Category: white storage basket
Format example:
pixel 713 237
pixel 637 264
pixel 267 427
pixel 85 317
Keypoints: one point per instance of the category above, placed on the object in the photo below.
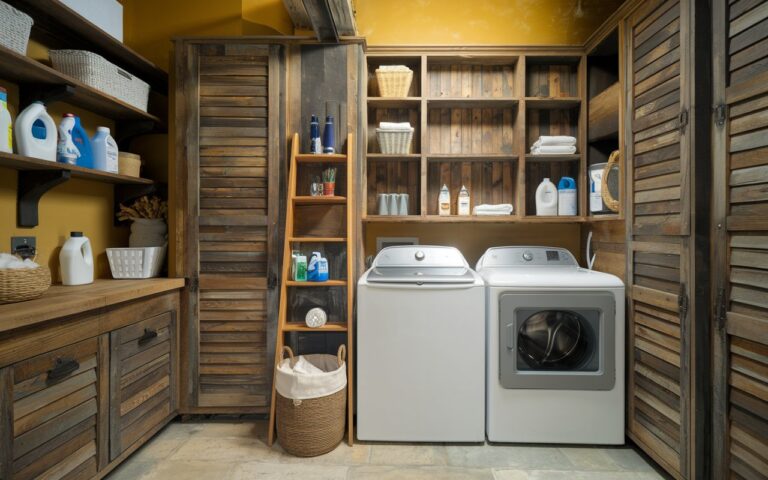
pixel 15 27
pixel 94 70
pixel 396 142
pixel 144 262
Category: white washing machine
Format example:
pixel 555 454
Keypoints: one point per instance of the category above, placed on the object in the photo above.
pixel 421 348
pixel 555 348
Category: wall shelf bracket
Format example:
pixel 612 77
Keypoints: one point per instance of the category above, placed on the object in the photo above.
pixel 33 184
pixel 48 94
pixel 128 130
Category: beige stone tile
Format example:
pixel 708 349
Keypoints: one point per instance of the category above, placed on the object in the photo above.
pixel 132 469
pixel 161 447
pixel 575 475
pixel 585 458
pixel 510 475
pixel 269 471
pixel 521 457
pixel 377 472
pixel 358 454
pixel 400 454
pixel 628 459
pixel 185 470
pixel 226 449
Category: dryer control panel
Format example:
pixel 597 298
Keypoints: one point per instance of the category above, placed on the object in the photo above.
pixel 526 256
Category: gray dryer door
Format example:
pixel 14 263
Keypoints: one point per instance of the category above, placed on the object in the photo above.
pixel 557 341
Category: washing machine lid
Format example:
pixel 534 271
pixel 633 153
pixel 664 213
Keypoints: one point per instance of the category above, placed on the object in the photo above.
pixel 419 265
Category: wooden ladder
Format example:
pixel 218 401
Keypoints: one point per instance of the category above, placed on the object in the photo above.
pixel 284 325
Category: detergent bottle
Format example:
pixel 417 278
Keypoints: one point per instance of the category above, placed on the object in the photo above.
pixel 566 196
pixel 83 143
pixel 67 151
pixel 76 260
pixel 36 133
pixel 546 198
pixel 6 124
pixel 104 151
pixel 317 271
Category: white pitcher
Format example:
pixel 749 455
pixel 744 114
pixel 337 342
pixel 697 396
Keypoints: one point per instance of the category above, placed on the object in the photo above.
pixel 76 260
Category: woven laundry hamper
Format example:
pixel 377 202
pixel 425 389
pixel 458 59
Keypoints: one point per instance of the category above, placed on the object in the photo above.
pixel 314 424
pixel 395 142
pixel 394 83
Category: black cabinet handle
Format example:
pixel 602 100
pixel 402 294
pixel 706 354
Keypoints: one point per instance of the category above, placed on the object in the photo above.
pixel 62 370
pixel 148 336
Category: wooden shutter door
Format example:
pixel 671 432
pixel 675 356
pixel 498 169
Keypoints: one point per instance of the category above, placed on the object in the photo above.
pixel 231 104
pixel 740 227
pixel 660 221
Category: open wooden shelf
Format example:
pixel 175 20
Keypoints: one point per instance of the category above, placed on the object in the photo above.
pixel 61 27
pixel 529 157
pixel 22 163
pixel 394 102
pixel 467 157
pixel 23 70
pixel 604 114
pixel 389 156
pixel 320 200
pixel 474 102
pixel 469 219
pixel 327 283
pixel 546 103
pixel 608 217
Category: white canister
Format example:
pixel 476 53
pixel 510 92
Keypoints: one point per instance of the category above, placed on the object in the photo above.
pixel 595 188
pixel 567 201
pixel 383 200
pixel 402 204
pixel 76 260
pixel 148 232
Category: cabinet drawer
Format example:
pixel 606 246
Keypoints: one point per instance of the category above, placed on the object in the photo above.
pixel 54 413
pixel 142 379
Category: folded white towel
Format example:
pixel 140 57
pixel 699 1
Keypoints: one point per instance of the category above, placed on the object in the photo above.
pixel 487 209
pixel 395 126
pixel 553 150
pixel 394 68
pixel 555 140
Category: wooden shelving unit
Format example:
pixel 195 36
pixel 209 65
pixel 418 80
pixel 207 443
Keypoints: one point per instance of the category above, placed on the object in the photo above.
pixel 332 236
pixel 23 164
pixel 475 116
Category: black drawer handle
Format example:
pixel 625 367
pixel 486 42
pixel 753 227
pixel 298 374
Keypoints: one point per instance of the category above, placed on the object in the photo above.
pixel 148 336
pixel 62 370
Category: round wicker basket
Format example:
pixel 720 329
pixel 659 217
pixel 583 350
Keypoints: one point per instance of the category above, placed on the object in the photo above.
pixel 18 285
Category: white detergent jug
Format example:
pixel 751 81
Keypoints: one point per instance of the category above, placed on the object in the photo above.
pixel 546 198
pixel 76 260
pixel 36 133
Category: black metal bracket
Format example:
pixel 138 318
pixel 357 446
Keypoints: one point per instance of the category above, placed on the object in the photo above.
pixel 29 93
pixel 126 193
pixel 32 186
pixel 128 130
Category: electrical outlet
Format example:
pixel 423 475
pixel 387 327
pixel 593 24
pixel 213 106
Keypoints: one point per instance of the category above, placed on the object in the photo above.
pixel 17 242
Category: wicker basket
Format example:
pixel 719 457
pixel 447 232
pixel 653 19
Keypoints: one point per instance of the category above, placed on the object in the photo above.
pixel 14 28
pixel 307 428
pixel 20 284
pixel 396 142
pixel 94 70
pixel 142 262
pixel 129 164
pixel 394 84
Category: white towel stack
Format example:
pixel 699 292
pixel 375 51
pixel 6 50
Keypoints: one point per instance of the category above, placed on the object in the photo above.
pixel 395 126
pixel 554 145
pixel 499 209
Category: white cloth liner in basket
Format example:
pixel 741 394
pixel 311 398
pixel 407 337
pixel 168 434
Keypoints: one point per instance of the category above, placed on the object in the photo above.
pixel 311 376
pixel 15 27
pixel 139 262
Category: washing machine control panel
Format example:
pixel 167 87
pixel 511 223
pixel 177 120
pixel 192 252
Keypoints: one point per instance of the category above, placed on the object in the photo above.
pixel 527 256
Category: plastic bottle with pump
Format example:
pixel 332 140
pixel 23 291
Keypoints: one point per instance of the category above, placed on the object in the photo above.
pixel 463 207
pixel 76 260
pixel 35 133
pixel 67 151
pixel 444 201
pixel 546 198
pixel 6 124
pixel 104 151
pixel 566 197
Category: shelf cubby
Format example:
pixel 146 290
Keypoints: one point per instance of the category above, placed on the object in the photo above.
pixel 377 114
pixel 477 78
pixel 563 121
pixel 552 77
pixel 488 181
pixel 460 130
pixel 412 62
pixel 394 176
pixel 536 171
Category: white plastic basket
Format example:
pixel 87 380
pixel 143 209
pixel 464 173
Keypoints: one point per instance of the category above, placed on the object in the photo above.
pixel 397 142
pixel 15 27
pixel 94 70
pixel 144 262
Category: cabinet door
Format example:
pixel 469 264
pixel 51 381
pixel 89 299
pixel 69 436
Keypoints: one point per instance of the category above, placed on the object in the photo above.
pixel 142 381
pixel 50 403
pixel 229 145
pixel 740 226
pixel 667 209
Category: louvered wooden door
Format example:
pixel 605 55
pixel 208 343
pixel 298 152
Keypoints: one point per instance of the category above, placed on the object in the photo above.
pixel 740 227
pixel 660 225
pixel 230 104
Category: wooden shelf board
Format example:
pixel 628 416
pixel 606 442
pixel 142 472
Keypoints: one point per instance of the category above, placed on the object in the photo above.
pixel 608 217
pixel 466 157
pixel 20 162
pixel 62 27
pixel 498 102
pixel 328 327
pixel 469 219
pixel 22 70
pixel 394 102
pixel 317 239
pixel 553 158
pixel 405 157
pixel 328 283
pixel 553 219
pixel 392 218
pixel 320 200
pixel 552 103
pixel 321 158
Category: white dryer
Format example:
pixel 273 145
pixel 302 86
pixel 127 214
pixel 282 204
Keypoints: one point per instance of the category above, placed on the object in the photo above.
pixel 555 366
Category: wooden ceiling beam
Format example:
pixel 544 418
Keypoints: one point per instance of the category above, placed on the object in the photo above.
pixel 330 19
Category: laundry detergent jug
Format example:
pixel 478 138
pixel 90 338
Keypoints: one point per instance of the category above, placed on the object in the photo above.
pixel 36 133
pixel 76 260
pixel 546 198
pixel 317 271
pixel 67 151
pixel 83 143
pixel 104 151
pixel 566 196
pixel 6 124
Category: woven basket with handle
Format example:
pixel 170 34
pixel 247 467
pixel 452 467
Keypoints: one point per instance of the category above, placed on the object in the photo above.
pixel 307 428
pixel 394 84
pixel 20 284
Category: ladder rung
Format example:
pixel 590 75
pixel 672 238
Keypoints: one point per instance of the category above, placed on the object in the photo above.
pixel 317 239
pixel 321 158
pixel 328 283
pixel 323 200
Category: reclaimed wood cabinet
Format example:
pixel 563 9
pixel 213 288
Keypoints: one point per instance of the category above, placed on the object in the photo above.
pixel 82 391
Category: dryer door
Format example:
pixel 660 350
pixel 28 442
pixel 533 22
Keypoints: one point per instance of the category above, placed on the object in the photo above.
pixel 557 341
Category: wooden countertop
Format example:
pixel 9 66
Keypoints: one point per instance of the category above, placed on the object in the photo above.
pixel 60 301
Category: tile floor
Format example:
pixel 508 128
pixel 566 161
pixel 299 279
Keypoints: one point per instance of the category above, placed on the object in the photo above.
pixel 238 451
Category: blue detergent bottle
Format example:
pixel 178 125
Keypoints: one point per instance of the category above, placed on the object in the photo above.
pixel 83 143
pixel 567 201
pixel 317 271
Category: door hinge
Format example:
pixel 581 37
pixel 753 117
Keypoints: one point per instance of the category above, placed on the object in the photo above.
pixel 682 302
pixel 683 120
pixel 720 312
pixel 272 281
pixel 720 115
pixel 194 284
